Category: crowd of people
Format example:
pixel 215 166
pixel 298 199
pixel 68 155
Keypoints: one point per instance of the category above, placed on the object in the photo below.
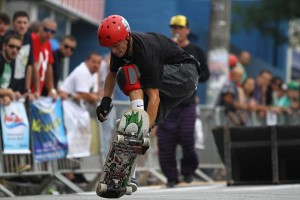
pixel 265 93
pixel 31 68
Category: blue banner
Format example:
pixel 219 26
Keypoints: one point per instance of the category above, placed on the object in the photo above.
pixel 48 134
pixel 15 128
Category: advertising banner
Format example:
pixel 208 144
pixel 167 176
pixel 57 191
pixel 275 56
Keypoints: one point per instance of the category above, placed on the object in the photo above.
pixel 49 138
pixel 15 128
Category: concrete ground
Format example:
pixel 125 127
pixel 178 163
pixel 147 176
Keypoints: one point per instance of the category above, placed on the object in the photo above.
pixel 218 191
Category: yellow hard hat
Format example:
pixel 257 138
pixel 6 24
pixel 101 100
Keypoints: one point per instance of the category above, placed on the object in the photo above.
pixel 179 20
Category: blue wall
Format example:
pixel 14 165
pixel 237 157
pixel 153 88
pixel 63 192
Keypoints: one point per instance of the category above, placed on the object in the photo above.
pixel 86 35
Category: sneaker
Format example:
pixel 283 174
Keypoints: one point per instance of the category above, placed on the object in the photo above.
pixel 188 178
pixel 171 184
pixel 133 184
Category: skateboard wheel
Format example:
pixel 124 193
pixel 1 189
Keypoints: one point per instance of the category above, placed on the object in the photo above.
pixel 120 139
pixel 146 142
pixel 128 190
pixel 102 187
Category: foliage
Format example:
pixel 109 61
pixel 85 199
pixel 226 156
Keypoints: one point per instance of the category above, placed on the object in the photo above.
pixel 265 16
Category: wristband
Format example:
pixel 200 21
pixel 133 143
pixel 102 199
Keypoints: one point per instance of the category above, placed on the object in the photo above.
pixel 53 91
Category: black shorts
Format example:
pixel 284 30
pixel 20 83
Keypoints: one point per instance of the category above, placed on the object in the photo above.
pixel 179 82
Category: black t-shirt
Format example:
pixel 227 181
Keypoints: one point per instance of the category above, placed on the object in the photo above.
pixel 199 55
pixel 151 51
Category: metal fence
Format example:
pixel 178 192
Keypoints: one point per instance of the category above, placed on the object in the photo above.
pixel 41 176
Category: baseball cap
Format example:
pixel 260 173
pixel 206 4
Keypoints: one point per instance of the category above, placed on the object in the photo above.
pixel 179 20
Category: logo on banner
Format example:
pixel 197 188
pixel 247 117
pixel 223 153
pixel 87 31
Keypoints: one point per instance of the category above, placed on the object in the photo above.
pixel 14 122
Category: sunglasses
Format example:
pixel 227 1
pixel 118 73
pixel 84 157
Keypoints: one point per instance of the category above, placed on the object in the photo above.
pixel 14 46
pixel 69 47
pixel 49 30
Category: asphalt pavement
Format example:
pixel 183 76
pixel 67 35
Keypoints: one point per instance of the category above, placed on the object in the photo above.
pixel 192 192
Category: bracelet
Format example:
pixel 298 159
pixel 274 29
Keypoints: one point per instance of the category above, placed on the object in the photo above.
pixel 53 91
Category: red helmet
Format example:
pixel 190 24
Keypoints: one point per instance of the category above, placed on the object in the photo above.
pixel 232 60
pixel 113 29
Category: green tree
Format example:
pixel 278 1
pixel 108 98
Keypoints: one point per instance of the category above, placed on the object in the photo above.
pixel 266 16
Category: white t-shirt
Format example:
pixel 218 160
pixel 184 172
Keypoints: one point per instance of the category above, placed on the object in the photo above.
pixel 80 80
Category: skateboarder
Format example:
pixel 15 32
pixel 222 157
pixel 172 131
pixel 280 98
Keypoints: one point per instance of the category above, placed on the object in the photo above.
pixel 150 68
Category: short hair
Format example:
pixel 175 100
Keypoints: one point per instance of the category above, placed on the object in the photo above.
pixel 12 36
pixel 20 13
pixel 92 53
pixel 70 37
pixel 265 71
pixel 275 79
pixel 5 18
pixel 34 27
pixel 48 20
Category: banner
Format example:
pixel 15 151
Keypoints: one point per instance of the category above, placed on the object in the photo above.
pixel 15 128
pixel 48 134
pixel 78 127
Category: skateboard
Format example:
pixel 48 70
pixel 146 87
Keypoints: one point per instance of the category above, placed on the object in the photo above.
pixel 130 140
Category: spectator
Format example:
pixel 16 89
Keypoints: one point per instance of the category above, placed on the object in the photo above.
pixel 66 48
pixel 244 60
pixel 246 92
pixel 34 27
pixel 43 57
pixel 230 99
pixel 179 126
pixel 79 84
pixel 260 92
pixel 272 90
pixel 290 102
pixel 11 46
pixel 4 25
pixel 79 87
pixel 227 100
pixel 24 61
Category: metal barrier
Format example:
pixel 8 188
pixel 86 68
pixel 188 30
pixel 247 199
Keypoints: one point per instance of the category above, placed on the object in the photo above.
pixel 210 117
pixel 54 172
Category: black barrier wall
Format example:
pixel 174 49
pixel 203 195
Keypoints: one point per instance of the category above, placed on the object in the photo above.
pixel 260 155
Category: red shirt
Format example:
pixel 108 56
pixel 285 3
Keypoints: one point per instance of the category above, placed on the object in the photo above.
pixel 43 56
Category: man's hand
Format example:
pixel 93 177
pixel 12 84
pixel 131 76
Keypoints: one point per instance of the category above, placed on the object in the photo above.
pixel 104 109
pixel 5 100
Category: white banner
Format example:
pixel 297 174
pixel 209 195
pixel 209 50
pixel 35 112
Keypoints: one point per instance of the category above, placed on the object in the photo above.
pixel 78 128
pixel 15 128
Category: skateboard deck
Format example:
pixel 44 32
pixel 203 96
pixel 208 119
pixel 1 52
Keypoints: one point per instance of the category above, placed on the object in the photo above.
pixel 130 140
